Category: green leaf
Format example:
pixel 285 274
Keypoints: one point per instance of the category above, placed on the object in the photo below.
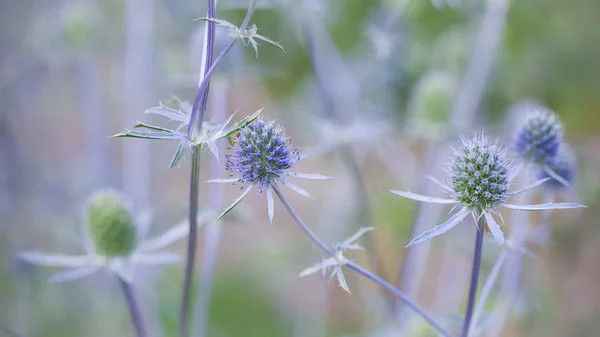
pixel 152 127
pixel 183 145
pixel 241 124
pixel 150 135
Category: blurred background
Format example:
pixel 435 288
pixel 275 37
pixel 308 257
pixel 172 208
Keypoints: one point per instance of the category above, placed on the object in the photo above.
pixel 375 91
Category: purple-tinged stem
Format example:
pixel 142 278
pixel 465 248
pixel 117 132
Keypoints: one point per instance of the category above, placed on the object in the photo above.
pixel 474 276
pixel 134 310
pixel 356 267
pixel 200 101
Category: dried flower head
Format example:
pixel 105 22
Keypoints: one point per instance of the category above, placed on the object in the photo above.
pixel 261 155
pixel 480 176
pixel 539 136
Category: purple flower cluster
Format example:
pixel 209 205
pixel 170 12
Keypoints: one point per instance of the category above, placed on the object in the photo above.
pixel 261 154
pixel 539 137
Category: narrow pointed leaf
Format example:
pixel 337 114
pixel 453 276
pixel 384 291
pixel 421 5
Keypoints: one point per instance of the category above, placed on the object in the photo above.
pixel 179 153
pixel 340 278
pixel 535 184
pixel 224 180
pixel 172 235
pixel 423 198
pixel 270 203
pixel 235 203
pixel 152 127
pixel 357 235
pixel 155 135
pixel 308 176
pixel 54 260
pixel 494 228
pixel 241 124
pixel 440 229
pixel 542 207
pixel 556 176
pixel 170 113
pixel 440 184
pixel 297 189
pixel 269 41
pixel 74 274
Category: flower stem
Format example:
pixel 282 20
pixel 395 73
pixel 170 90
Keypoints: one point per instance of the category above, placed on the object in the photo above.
pixel 134 310
pixel 474 276
pixel 487 287
pixel 357 267
pixel 191 247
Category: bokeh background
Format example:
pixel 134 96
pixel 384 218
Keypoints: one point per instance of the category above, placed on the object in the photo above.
pixel 397 81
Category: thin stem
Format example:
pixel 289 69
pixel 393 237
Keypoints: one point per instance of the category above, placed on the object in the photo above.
pixel 212 234
pixel 487 288
pixel 474 276
pixel 191 247
pixel 202 93
pixel 200 101
pixel 355 266
pixel 134 310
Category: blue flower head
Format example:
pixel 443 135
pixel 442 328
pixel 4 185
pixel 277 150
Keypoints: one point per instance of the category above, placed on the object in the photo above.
pixel 539 136
pixel 479 173
pixel 261 154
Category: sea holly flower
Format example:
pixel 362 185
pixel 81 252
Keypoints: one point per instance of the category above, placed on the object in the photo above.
pixel 113 241
pixel 338 260
pixel 248 35
pixel 479 177
pixel 539 137
pixel 200 139
pixel 261 156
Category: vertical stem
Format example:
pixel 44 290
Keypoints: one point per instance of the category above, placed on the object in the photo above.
pixel 487 288
pixel 474 276
pixel 191 247
pixel 201 102
pixel 134 310
pixel 212 234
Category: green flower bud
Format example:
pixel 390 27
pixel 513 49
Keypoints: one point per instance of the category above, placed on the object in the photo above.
pixel 110 224
pixel 431 104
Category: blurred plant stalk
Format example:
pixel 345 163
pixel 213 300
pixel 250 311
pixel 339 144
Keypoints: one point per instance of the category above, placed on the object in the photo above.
pixel 212 234
pixel 139 76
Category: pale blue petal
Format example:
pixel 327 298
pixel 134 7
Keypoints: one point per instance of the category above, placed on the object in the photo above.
pixel 423 198
pixel 440 229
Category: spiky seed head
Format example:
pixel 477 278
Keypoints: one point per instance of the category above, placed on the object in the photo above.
pixel 479 172
pixel 431 103
pixel 111 226
pixel 564 165
pixel 261 154
pixel 539 136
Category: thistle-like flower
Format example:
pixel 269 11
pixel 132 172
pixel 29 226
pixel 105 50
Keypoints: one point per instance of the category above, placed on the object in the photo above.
pixel 338 259
pixel 261 156
pixel 113 240
pixel 480 176
pixel 539 137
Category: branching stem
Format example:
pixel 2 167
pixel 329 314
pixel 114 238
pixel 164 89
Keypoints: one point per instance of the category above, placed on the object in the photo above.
pixel 357 267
